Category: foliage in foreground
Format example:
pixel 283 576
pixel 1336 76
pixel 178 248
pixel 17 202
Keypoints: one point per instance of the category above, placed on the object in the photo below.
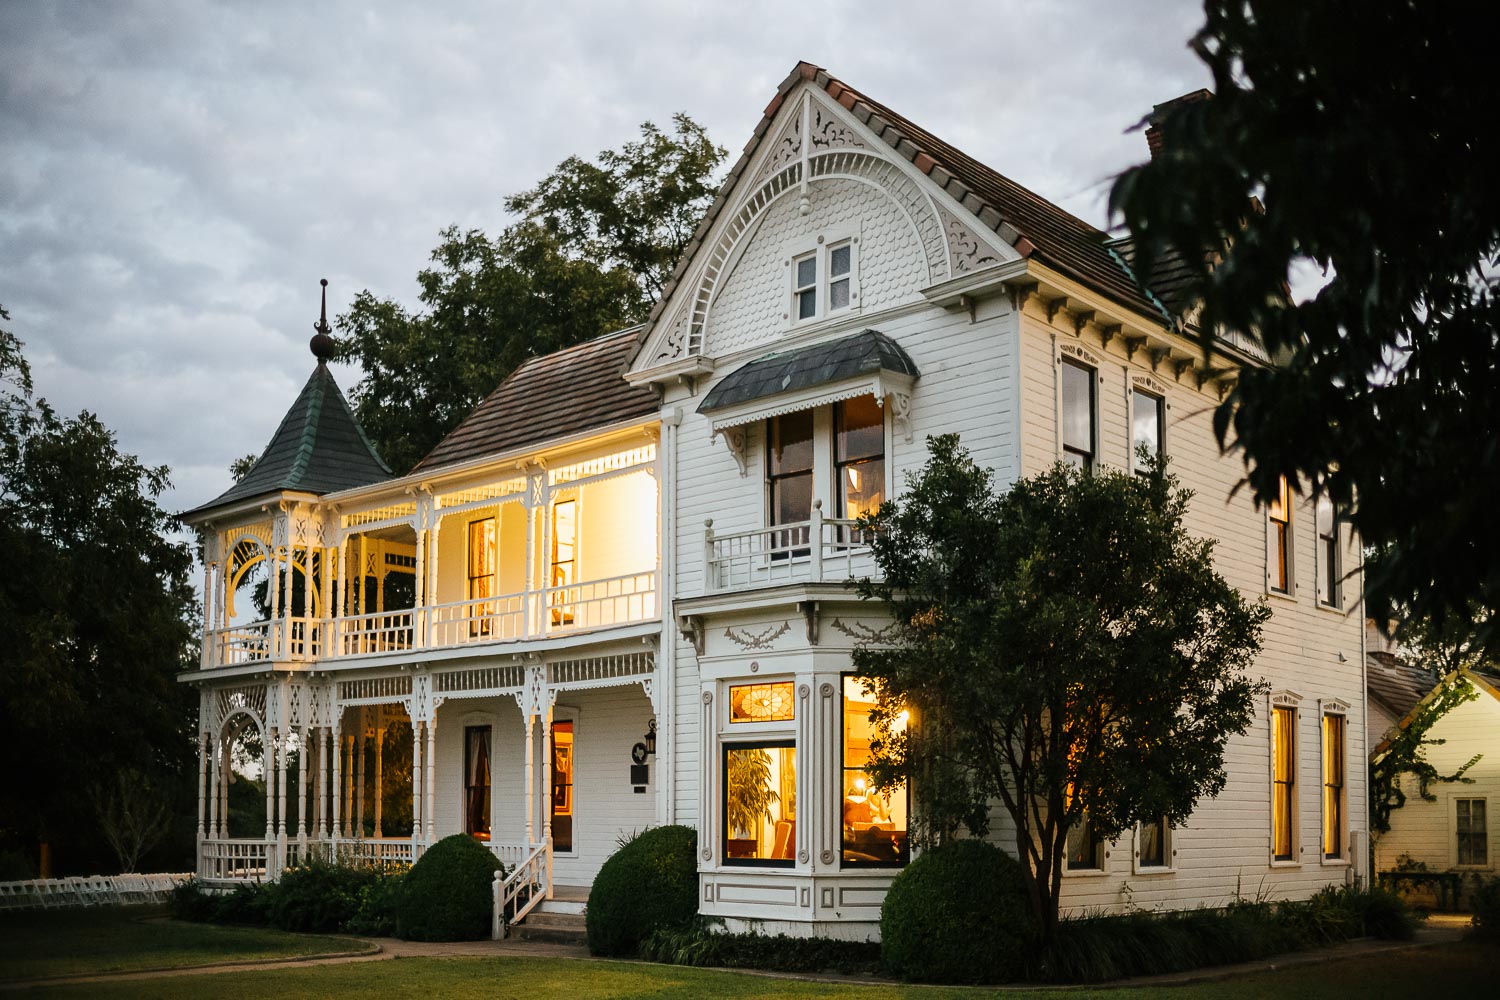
pixel 700 943
pixel 1386 391
pixel 1064 648
pixel 449 893
pixel 650 883
pixel 958 914
pixel 1484 903
pixel 1405 753
pixel 321 896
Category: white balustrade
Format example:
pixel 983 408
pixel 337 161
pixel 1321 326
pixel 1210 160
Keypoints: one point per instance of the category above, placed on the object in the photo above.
pixel 240 644
pixel 236 859
pixel 382 632
pixel 520 891
pixel 818 550
pixel 618 600
pixel 481 620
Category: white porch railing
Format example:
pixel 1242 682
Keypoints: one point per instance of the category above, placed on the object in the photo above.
pixel 383 632
pixel 236 859
pixel 481 620
pixel 230 647
pixel 597 603
pixel 518 893
pixel 819 550
pixel 382 853
pixel 510 855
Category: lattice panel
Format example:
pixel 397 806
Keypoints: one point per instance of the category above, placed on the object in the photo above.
pixel 479 494
pixel 601 669
pixel 370 690
pixel 480 681
pixel 614 462
pixel 391 512
pixel 248 697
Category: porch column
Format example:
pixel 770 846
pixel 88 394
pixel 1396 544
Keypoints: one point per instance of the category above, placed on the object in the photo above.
pixel 335 790
pixel 268 773
pixel 546 776
pixel 379 777
pixel 213 784
pixel 530 780
pixel 222 792
pixel 346 786
pixel 303 749
pixel 359 780
pixel 281 740
pixel 203 752
pixel 430 813
pixel 323 783
pixel 416 783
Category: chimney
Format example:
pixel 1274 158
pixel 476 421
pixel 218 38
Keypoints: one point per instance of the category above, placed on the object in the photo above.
pixel 1160 112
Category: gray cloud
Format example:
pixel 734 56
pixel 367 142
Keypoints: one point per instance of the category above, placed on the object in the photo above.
pixel 176 176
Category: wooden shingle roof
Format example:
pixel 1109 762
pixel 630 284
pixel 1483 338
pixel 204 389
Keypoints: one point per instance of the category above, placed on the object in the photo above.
pixel 1396 684
pixel 318 448
pixel 557 395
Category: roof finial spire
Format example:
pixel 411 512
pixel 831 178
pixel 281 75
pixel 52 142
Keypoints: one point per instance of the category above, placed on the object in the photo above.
pixel 322 345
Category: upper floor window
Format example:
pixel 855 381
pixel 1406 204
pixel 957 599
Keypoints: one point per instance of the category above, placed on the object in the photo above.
pixel 1279 527
pixel 564 558
pixel 859 430
pixel 823 280
pixel 789 477
pixel 1147 419
pixel 1078 414
pixel 481 574
pixel 1330 572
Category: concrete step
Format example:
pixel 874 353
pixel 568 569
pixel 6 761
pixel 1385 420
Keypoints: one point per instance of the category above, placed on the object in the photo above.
pixel 573 906
pixel 558 928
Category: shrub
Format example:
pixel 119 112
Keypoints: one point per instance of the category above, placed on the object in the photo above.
pixel 958 914
pixel 699 944
pixel 449 893
pixel 188 901
pixel 319 896
pixel 379 902
pixel 245 904
pixel 1484 903
pixel 651 882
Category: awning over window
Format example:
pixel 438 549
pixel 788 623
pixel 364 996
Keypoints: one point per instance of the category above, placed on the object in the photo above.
pixel 866 362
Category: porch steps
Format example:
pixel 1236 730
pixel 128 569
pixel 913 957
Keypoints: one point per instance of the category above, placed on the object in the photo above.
pixel 550 926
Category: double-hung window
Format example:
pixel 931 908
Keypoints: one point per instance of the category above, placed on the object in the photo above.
pixel 564 560
pixel 1334 775
pixel 477 781
pixel 760 776
pixel 1330 573
pixel 823 280
pixel 1147 417
pixel 1079 412
pixel 1472 829
pixel 789 480
pixel 1283 783
pixel 1279 528
pixel 1153 847
pixel 481 575
pixel 859 432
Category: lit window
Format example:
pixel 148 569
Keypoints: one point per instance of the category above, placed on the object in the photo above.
pixel 1078 414
pixel 761 702
pixel 1152 850
pixel 1279 559
pixel 481 574
pixel 805 289
pixel 874 823
pixel 1329 571
pixel 477 781
pixel 564 559
pixel 1283 782
pixel 562 786
pixel 789 478
pixel 1146 413
pixel 1333 785
pixel 859 429
pixel 1473 833
pixel 760 804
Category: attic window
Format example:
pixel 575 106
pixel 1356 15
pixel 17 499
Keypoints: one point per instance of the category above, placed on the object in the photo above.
pixel 824 279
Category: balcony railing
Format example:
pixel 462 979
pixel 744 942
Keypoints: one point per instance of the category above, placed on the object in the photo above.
pixel 575 607
pixel 819 550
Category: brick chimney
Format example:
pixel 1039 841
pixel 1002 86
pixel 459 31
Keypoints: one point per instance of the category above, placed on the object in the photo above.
pixel 1159 113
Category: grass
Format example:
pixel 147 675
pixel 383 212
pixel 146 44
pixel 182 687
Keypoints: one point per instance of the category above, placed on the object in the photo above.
pixel 1445 970
pixel 39 943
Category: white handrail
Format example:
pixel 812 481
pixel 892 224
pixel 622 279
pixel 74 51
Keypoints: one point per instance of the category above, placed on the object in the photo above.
pixel 786 553
pixel 518 893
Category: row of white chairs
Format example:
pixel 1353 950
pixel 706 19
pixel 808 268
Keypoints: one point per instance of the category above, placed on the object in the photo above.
pixel 91 890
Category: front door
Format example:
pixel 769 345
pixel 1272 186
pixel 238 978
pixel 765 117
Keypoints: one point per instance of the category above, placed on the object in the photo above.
pixel 562 786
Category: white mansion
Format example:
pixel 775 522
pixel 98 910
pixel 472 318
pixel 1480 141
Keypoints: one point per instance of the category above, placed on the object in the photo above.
pixel 615 596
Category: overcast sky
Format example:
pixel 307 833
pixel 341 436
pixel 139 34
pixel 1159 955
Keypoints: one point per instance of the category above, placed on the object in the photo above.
pixel 175 177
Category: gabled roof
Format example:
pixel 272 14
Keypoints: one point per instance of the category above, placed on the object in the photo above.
pixel 319 448
pixel 1397 685
pixel 863 353
pixel 1036 227
pixel 566 392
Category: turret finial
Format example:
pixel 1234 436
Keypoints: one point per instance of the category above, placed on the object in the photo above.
pixel 322 345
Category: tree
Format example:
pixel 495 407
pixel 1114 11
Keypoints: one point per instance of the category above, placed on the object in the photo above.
pixel 96 617
pixel 1064 648
pixel 595 243
pixel 133 815
pixel 1344 135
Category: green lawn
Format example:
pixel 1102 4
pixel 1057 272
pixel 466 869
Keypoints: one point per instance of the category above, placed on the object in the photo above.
pixel 1448 970
pixel 38 943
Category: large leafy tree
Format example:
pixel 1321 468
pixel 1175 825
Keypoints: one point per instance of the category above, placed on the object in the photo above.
pixel 1350 135
pixel 594 244
pixel 96 616
pixel 1065 648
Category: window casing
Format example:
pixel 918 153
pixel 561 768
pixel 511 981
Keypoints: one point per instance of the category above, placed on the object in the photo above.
pixel 1148 422
pixel 824 280
pixel 1283 783
pixel 481 574
pixel 563 806
pixel 759 807
pixel 1335 775
pixel 1279 540
pixel 564 558
pixel 789 480
pixel 1330 571
pixel 1085 848
pixel 874 824
pixel 859 455
pixel 1153 845
pixel 1079 414
pixel 477 781
pixel 1471 828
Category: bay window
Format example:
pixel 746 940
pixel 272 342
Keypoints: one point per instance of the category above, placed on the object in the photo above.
pixel 789 479
pixel 874 823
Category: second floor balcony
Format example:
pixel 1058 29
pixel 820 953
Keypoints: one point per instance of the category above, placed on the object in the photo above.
pixel 818 550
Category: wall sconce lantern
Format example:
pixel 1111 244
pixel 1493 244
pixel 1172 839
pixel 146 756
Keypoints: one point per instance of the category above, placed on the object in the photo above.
pixel 651 738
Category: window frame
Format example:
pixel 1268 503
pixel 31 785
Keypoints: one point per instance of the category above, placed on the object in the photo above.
pixel 1138 389
pixel 1281 544
pixel 1168 850
pixel 820 249
pixel 479 621
pixel 840 464
pixel 1101 853
pixel 489 786
pixel 571 721
pixel 1328 554
pixel 1284 702
pixel 1484 842
pixel 1340 828
pixel 844 768
pixel 1090 367
pixel 785 741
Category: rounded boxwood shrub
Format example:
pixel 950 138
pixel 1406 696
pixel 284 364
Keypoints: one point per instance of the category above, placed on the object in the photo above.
pixel 651 882
pixel 449 893
pixel 958 914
